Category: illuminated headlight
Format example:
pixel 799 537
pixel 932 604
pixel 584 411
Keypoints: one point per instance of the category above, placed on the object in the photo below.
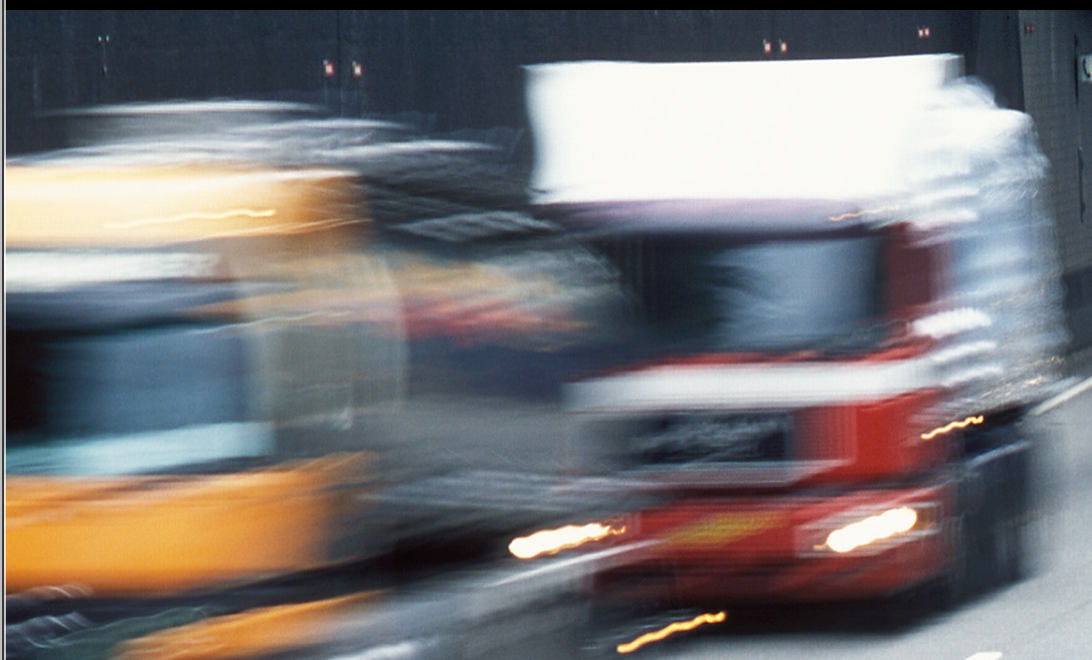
pixel 872 529
pixel 866 533
pixel 552 541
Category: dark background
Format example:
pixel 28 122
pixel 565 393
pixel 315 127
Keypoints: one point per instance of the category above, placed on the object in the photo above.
pixel 460 68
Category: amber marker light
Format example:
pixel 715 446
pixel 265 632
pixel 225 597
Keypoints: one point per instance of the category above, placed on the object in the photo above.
pixel 952 426
pixel 671 629
pixel 552 541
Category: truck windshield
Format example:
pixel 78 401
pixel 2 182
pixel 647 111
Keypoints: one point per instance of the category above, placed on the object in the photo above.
pixel 822 294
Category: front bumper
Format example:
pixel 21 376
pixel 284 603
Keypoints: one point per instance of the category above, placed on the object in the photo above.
pixel 775 548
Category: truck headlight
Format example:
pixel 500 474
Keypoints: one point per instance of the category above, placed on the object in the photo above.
pixel 872 529
pixel 869 530
pixel 552 541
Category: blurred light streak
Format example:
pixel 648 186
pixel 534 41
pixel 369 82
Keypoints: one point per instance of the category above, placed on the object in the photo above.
pixel 552 541
pixel 678 626
pixel 953 322
pixel 872 529
pixel 861 214
pixel 285 228
pixel 224 215
pixel 50 592
pixel 952 426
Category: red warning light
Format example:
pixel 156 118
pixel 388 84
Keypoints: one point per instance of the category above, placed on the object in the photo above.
pixel 924 32
pixel 358 70
pixel 328 68
pixel 767 47
pixel 784 46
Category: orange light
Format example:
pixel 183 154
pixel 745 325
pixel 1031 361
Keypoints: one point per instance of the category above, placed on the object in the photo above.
pixel 952 426
pixel 671 629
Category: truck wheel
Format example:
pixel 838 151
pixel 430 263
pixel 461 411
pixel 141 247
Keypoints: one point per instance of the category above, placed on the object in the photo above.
pixel 955 585
pixel 1015 566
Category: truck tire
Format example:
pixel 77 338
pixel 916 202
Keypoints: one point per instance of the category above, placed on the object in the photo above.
pixel 955 584
pixel 989 530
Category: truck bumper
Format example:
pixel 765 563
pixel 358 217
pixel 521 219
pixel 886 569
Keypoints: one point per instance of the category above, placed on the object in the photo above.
pixel 787 548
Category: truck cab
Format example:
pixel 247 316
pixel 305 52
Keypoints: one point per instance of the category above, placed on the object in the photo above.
pixel 848 298
pixel 790 393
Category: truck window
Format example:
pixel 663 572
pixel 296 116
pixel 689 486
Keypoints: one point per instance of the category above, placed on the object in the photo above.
pixel 824 294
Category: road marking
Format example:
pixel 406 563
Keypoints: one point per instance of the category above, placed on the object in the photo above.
pixel 1069 393
pixel 986 655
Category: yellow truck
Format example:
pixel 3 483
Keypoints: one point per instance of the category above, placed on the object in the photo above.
pixel 190 351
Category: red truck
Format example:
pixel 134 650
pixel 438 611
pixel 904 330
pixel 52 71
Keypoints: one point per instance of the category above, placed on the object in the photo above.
pixel 850 287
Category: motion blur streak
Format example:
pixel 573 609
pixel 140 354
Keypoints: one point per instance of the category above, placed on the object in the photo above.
pixel 224 215
pixel 552 541
pixel 952 426
pixel 263 631
pixel 872 529
pixel 679 626
pixel 286 228
pixel 861 214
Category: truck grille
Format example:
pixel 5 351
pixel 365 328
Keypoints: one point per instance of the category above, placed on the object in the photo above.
pixel 750 438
